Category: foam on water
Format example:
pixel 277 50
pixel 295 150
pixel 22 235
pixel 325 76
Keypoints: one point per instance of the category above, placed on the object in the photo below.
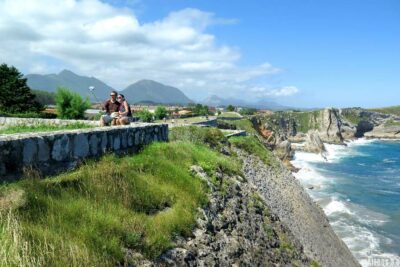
pixel 357 225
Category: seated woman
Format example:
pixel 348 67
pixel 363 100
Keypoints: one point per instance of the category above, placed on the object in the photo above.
pixel 125 113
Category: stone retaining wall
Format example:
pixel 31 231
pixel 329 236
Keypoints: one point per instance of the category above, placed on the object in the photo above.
pixel 12 121
pixel 63 150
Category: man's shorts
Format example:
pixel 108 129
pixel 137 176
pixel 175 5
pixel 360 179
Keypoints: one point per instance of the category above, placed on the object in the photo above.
pixel 107 118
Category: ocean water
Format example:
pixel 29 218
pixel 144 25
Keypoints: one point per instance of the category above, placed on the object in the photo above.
pixel 358 187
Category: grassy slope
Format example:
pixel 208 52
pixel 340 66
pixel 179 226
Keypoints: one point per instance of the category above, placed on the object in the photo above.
pixel 242 124
pixel 388 110
pixel 42 128
pixel 88 216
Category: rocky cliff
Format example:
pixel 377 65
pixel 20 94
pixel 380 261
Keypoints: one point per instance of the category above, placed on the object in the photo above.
pixel 260 218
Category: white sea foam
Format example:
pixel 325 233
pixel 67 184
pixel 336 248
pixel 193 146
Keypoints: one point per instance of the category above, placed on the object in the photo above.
pixel 353 223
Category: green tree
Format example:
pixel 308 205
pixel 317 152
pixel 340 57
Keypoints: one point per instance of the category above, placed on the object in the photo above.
pixel 145 115
pixel 44 97
pixel 15 95
pixel 160 113
pixel 230 108
pixel 70 105
pixel 200 110
pixel 248 111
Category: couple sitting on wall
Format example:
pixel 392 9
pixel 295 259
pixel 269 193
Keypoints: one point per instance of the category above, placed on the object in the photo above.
pixel 118 111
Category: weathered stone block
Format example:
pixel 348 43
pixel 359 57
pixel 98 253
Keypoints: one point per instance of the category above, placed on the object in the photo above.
pixel 104 142
pixel 43 150
pixel 137 138
pixel 117 142
pixel 81 145
pixel 124 139
pixel 29 152
pixel 61 148
pixel 93 144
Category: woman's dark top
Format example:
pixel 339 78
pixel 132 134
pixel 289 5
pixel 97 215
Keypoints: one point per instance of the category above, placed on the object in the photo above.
pixel 122 109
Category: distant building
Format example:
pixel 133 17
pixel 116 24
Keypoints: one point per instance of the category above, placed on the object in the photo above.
pixel 265 111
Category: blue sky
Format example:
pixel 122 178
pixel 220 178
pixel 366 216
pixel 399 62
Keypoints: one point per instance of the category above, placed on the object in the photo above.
pixel 337 52
pixel 300 53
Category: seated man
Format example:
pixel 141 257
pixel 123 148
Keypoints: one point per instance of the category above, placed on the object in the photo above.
pixel 111 106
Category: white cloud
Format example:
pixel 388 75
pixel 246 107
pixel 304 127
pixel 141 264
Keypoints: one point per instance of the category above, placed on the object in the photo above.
pixel 97 39
pixel 275 92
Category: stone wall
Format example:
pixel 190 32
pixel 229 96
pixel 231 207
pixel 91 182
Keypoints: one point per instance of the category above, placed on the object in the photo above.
pixel 11 121
pixel 63 150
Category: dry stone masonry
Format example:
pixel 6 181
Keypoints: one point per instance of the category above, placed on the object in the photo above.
pixel 63 150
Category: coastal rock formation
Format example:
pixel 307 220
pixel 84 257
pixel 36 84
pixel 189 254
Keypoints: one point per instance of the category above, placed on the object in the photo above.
pixel 384 131
pixel 285 196
pixel 236 228
pixel 314 143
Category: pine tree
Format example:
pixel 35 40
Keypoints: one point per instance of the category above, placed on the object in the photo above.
pixel 15 95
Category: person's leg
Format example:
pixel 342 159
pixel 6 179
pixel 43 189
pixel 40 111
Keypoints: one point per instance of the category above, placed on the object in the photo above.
pixel 124 121
pixel 105 119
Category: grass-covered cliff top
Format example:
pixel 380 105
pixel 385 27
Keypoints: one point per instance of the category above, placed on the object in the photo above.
pixel 42 128
pixel 395 110
pixel 91 216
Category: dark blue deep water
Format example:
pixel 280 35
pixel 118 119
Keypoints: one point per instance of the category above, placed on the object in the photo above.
pixel 359 189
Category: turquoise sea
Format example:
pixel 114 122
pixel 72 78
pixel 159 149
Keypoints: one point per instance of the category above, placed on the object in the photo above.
pixel 358 187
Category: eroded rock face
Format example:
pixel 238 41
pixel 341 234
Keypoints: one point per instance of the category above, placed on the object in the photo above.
pixel 284 150
pixel 314 143
pixel 236 229
pixel 297 211
pixel 333 129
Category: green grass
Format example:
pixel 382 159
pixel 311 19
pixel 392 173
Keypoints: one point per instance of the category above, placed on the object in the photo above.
pixel 242 124
pixel 395 110
pixel 229 115
pixel 212 137
pixel 187 120
pixel 42 128
pixel 392 122
pixel 251 145
pixel 87 217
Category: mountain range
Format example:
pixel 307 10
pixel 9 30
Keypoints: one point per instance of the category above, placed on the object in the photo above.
pixel 146 91
pixel 216 101
pixel 143 91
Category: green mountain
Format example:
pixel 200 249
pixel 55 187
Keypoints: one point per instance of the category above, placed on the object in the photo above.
pixel 144 91
pixel 149 91
pixel 72 81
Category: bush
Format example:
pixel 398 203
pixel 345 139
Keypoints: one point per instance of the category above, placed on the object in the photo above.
pixel 198 135
pixel 15 95
pixel 145 116
pixel 160 113
pixel 230 108
pixel 70 105
pixel 44 97
pixel 247 111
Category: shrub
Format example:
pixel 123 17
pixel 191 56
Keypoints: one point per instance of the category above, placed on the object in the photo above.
pixel 145 116
pixel 199 135
pixel 160 113
pixel 70 105
pixel 230 108
pixel 15 95
pixel 44 97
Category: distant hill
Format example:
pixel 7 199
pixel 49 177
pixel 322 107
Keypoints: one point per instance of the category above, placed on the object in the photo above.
pixel 151 91
pixel 144 91
pixel 217 101
pixel 66 78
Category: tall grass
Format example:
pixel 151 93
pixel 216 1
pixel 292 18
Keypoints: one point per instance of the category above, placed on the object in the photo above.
pixel 91 216
pixel 43 128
